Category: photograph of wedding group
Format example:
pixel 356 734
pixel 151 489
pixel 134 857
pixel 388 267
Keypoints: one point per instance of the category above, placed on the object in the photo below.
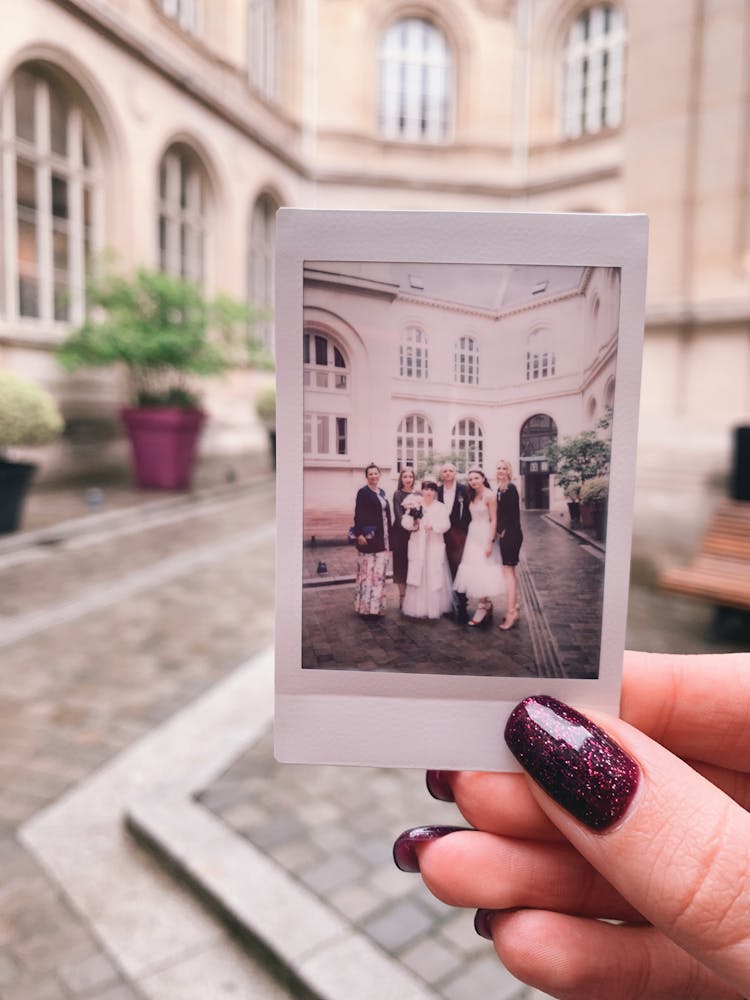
pixel 456 443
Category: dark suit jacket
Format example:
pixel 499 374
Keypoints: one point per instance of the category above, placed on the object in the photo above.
pixel 460 514
pixel 369 514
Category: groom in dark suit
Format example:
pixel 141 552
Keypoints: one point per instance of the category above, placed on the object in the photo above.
pixel 456 498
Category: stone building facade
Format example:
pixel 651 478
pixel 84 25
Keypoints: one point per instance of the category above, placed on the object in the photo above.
pixel 171 130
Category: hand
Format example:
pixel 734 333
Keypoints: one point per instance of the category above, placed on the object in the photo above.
pixel 488 550
pixel 361 540
pixel 668 853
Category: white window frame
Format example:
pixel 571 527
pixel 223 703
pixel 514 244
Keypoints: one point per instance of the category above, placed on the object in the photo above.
pixel 541 361
pixel 261 265
pixel 466 361
pixel 413 353
pixel 335 429
pixel 182 252
pixel 593 71
pixel 328 377
pixel 79 169
pixel 415 82
pixel 188 14
pixel 414 441
pixel 467 440
pixel 262 60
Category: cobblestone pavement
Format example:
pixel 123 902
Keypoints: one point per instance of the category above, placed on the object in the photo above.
pixel 560 586
pixel 102 637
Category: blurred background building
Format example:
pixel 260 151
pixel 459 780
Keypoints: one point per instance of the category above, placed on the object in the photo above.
pixel 172 130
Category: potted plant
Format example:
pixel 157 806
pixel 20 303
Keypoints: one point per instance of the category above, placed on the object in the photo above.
pixel 572 492
pixel 28 417
pixel 167 335
pixel 594 492
pixel 265 407
pixel 578 459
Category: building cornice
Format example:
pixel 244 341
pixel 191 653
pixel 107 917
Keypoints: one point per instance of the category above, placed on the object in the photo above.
pixel 113 26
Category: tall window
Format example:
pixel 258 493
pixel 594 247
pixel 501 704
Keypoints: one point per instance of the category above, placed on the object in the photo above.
pixel 261 50
pixel 466 361
pixel 593 71
pixel 262 244
pixel 413 441
pixel 187 13
pixel 540 356
pixel 467 441
pixel 182 200
pixel 413 353
pixel 324 366
pixel 50 197
pixel 416 82
pixel 324 435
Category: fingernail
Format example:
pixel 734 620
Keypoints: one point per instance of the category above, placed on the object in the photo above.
pixel 573 760
pixel 438 786
pixel 482 920
pixel 404 853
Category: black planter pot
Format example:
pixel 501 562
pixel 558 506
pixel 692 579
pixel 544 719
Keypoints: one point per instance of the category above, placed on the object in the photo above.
pixel 574 510
pixel 600 520
pixel 15 478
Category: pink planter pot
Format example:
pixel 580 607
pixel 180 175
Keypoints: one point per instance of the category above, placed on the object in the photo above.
pixel 163 441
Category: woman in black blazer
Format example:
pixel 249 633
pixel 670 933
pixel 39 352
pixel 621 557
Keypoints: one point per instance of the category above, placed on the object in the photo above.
pixel 510 536
pixel 372 525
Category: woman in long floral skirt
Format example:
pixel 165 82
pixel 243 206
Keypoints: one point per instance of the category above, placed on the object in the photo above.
pixel 372 525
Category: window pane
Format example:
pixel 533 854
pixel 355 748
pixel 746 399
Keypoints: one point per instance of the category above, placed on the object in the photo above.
pixel 25 185
pixel 59 197
pixel 24 85
pixel 58 111
pixel 321 351
pixel 324 447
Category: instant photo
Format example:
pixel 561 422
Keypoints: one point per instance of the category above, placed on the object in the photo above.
pixel 457 414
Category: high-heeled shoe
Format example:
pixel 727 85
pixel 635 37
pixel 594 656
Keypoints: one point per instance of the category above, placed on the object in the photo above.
pixel 511 619
pixel 482 617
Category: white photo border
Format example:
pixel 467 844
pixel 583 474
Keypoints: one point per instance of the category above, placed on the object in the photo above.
pixel 433 720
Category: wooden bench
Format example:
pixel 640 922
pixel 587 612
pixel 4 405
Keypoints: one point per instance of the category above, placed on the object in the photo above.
pixel 720 572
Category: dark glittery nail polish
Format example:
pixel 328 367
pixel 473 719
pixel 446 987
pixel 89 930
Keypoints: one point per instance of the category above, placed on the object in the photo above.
pixel 573 760
pixel 482 920
pixel 438 787
pixel 404 854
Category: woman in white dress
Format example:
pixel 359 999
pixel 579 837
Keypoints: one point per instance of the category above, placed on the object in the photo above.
pixel 428 580
pixel 480 573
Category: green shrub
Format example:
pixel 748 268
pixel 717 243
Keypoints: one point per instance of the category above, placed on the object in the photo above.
pixel 595 490
pixel 28 413
pixel 164 330
pixel 265 405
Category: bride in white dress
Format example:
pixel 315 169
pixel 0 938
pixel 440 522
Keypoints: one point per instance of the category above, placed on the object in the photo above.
pixel 480 573
pixel 428 580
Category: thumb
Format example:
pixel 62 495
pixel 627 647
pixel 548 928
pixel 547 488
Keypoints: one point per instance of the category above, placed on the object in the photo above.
pixel 673 845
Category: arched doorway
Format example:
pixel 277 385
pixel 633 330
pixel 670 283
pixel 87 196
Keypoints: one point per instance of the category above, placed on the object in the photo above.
pixel 537 433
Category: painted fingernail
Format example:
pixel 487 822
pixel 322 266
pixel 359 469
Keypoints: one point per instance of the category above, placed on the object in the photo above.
pixel 404 853
pixel 573 760
pixel 438 787
pixel 482 923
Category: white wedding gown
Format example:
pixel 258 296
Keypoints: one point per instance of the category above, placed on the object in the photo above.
pixel 480 575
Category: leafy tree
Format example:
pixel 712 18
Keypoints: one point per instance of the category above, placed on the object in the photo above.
pixel 164 330
pixel 578 459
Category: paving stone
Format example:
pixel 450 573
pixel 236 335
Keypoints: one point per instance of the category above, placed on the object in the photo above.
pixel 279 830
pixel 296 855
pixel 431 960
pixel 458 931
pixel 88 973
pixel 484 977
pixel 331 874
pixel 356 902
pixel 398 925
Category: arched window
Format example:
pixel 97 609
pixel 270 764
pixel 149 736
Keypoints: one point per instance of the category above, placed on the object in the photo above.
pixel 467 442
pixel 416 82
pixel 187 13
pixel 537 433
pixel 413 353
pixel 540 355
pixel 51 195
pixel 593 71
pixel 324 364
pixel 609 393
pixel 260 265
pixel 261 49
pixel 182 209
pixel 466 361
pixel 413 441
